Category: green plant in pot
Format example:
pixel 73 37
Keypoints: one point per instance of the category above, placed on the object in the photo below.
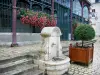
pixel 83 53
pixel 84 32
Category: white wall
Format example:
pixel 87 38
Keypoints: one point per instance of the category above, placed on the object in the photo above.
pixel 92 1
pixel 96 22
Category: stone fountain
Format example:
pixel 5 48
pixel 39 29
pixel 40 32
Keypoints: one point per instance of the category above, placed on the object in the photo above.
pixel 53 61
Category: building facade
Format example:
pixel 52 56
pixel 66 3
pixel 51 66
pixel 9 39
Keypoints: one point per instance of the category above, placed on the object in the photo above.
pixel 95 16
pixel 64 10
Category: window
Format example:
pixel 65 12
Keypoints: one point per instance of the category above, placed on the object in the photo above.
pixel 93 10
pixel 63 1
pixel 5 14
pixel 93 15
pixel 97 0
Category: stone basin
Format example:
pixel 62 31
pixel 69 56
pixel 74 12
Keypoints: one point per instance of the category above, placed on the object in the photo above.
pixel 57 59
pixel 56 66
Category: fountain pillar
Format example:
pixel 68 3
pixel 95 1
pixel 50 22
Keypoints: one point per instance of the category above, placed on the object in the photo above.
pixel 54 62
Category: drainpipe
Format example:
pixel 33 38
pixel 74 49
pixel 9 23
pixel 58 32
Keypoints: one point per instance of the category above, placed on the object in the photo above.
pixel 14 24
pixel 71 14
pixel 88 13
pixel 82 11
pixel 52 12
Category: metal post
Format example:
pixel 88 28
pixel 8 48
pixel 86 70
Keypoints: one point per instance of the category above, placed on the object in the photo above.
pixel 82 11
pixel 71 14
pixel 42 6
pixel 14 24
pixel 30 5
pixel 52 12
pixel 88 13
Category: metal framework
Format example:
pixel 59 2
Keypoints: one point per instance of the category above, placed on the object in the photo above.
pixel 5 15
pixel 64 21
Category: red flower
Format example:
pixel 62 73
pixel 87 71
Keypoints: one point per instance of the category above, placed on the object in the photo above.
pixel 48 23
pixel 53 22
pixel 25 20
pixel 38 19
pixel 42 22
pixel 33 20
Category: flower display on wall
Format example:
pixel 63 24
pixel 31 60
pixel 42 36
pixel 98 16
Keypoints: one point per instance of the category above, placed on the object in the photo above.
pixel 39 19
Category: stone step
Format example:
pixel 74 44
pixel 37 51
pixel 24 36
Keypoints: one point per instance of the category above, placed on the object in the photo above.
pixel 5 61
pixel 19 70
pixel 66 54
pixel 13 63
pixel 32 72
pixel 65 49
pixel 15 66
pixel 65 46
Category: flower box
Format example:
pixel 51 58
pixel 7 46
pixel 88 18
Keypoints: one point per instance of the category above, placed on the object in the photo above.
pixel 82 55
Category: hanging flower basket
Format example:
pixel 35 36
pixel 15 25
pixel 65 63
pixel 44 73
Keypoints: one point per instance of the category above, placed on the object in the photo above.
pixel 38 19
pixel 33 20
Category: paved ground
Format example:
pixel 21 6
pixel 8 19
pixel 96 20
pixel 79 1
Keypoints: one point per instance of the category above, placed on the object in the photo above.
pixel 11 52
pixel 93 68
pixel 75 69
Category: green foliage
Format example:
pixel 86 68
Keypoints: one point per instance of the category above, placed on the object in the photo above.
pixel 74 22
pixel 84 32
pixel 22 12
pixel 27 12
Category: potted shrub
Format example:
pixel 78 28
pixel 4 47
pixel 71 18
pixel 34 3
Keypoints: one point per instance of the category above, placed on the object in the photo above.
pixel 83 54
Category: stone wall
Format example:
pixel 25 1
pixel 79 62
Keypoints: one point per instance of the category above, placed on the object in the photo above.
pixel 22 38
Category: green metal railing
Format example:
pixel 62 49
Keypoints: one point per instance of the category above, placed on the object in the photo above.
pixel 47 1
pixel 5 15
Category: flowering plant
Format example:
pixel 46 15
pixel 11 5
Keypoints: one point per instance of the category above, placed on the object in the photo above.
pixel 39 19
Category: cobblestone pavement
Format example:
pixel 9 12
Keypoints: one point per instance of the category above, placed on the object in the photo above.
pixel 91 69
pixel 75 69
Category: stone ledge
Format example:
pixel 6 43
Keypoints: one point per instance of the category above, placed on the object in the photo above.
pixel 11 52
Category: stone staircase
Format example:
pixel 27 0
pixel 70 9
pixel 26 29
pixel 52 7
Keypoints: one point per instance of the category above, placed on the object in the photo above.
pixel 20 65
pixel 65 50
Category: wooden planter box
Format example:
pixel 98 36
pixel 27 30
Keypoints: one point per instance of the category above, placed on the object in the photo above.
pixel 82 55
